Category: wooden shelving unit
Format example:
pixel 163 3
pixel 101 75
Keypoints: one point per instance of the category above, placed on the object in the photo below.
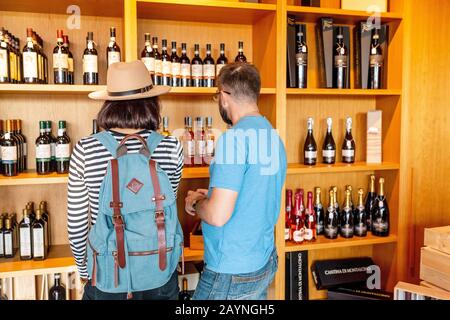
pixel 262 27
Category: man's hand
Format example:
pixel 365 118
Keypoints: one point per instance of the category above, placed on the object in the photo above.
pixel 191 199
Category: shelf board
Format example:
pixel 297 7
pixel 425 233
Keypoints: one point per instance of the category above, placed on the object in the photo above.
pixel 344 92
pixel 213 11
pixel 60 256
pixel 340 16
pixel 32 178
pixel 86 89
pixel 322 243
pixel 341 168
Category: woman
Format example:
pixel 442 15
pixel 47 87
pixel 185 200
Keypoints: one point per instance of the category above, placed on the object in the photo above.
pixel 131 106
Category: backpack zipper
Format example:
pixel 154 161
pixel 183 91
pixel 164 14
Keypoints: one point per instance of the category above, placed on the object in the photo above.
pixel 142 253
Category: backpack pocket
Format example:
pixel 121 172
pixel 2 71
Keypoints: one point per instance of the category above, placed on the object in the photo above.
pixel 97 267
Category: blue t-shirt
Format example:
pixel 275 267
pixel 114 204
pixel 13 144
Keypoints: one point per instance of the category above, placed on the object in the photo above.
pixel 250 159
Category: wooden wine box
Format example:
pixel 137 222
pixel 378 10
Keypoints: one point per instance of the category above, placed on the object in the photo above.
pixel 408 291
pixel 435 267
pixel 438 238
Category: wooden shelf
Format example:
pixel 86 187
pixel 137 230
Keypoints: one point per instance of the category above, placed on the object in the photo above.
pixel 312 14
pixel 213 11
pixel 341 168
pixel 85 89
pixel 344 92
pixel 323 243
pixel 60 256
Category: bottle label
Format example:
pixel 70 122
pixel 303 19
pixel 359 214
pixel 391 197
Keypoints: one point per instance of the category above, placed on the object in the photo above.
pixel 328 153
pixel 189 148
pixel 209 71
pixel 176 69
pixel 70 63
pixel 302 59
pixel 197 71
pixel 380 226
pixel 90 63
pixel 348 153
pixel 2 251
pixel 340 61
pixel 60 61
pixel 185 70
pixel 331 231
pixel 9 154
pixel 150 64
pixel 30 65
pixel 113 57
pixel 158 66
pixel 12 63
pixel 311 154
pixel 62 152
pixel 166 68
pixel 376 60
pixel 3 64
pixel 298 235
pixel 308 234
pixel 38 242
pixel 8 244
pixel 25 242
pixel 319 228
pixel 53 149
pixel 347 230
pixel 287 233
pixel 218 68
pixel 209 147
pixel 360 229
pixel 201 148
pixel 43 153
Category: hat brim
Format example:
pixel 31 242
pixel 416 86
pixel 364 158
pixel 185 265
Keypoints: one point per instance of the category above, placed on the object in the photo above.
pixel 154 92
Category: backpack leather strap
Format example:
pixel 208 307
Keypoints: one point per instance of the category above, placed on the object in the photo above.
pixel 117 218
pixel 158 198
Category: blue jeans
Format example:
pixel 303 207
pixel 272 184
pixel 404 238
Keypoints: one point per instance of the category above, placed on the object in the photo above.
pixel 248 286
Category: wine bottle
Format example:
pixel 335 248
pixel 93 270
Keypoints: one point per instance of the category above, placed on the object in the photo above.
pixel 380 218
pixel 48 130
pixel 71 70
pixel 298 224
pixel 26 252
pixel 360 216
pixel 348 146
pixel 188 143
pixel 2 238
pixel 60 60
pixel 302 61
pixel 8 238
pixel 57 292
pixel 30 60
pixel 222 61
pixel 331 221
pixel 209 69
pixel 157 77
pixel 9 152
pixel 90 61
pixel 376 62
pixel 197 68
pixel 165 131
pixel 210 139
pixel 370 202
pixel 62 149
pixel 200 142
pixel 329 146
pixel 20 146
pixel 4 60
pixel 185 67
pixel 147 56
pixel 336 205
pixel 340 61
pixel 176 66
pixel 30 208
pixel 310 147
pixel 319 210
pixel 310 220
pixel 113 50
pixel 12 58
pixel 95 128
pixel 46 218
pixel 350 188
pixel 184 294
pixel 3 295
pixel 346 221
pixel 19 60
pixel 240 56
pixel 166 66
pixel 288 216
pixel 43 150
pixel 39 237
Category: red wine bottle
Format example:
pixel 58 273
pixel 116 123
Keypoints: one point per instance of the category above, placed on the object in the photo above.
pixel 209 69
pixel 197 68
pixel 240 56
pixel 113 50
pixel 57 292
pixel 176 66
pixel 90 61
pixel 222 61
pixel 60 60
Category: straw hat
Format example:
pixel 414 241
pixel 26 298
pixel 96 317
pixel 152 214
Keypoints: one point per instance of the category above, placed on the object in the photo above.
pixel 128 81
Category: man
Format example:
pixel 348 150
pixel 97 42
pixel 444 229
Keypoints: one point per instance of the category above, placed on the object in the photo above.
pixel 242 205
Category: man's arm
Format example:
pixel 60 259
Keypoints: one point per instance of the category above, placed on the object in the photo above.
pixel 218 208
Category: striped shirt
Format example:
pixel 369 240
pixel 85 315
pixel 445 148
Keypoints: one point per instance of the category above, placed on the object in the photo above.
pixel 88 166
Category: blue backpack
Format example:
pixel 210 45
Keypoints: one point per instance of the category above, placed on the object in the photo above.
pixel 137 240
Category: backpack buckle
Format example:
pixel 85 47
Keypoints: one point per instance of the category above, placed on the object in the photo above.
pixel 115 205
pixel 118 220
pixel 159 215
pixel 161 197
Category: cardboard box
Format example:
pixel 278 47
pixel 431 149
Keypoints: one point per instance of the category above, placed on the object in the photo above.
pixel 438 238
pixel 358 294
pixel 296 276
pixel 374 151
pixel 365 5
pixel 435 267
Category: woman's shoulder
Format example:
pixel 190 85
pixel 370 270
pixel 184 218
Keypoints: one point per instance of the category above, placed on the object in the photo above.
pixel 87 143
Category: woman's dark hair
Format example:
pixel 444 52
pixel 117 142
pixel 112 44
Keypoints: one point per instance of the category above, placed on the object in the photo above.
pixel 130 114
